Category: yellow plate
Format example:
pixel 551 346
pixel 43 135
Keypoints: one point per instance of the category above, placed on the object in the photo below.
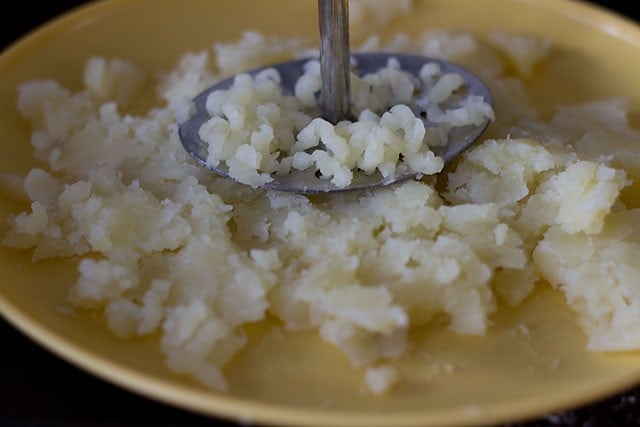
pixel 298 380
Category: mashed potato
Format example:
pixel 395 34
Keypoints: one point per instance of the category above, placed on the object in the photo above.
pixel 165 247
pixel 255 131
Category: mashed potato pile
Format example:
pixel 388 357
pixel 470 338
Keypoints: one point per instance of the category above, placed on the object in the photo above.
pixel 256 130
pixel 164 247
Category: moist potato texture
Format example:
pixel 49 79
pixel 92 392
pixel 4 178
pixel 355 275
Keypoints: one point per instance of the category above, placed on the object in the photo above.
pixel 166 248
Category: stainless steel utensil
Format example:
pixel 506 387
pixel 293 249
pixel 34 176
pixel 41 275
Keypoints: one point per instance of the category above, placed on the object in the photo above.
pixel 335 66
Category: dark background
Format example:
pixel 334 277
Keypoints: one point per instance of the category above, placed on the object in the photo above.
pixel 38 389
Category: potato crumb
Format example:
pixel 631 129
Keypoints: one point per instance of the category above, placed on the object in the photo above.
pixel 523 52
pixel 380 379
pixel 366 16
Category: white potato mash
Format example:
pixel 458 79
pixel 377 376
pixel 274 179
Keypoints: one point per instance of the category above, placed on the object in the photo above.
pixel 165 247
pixel 257 131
